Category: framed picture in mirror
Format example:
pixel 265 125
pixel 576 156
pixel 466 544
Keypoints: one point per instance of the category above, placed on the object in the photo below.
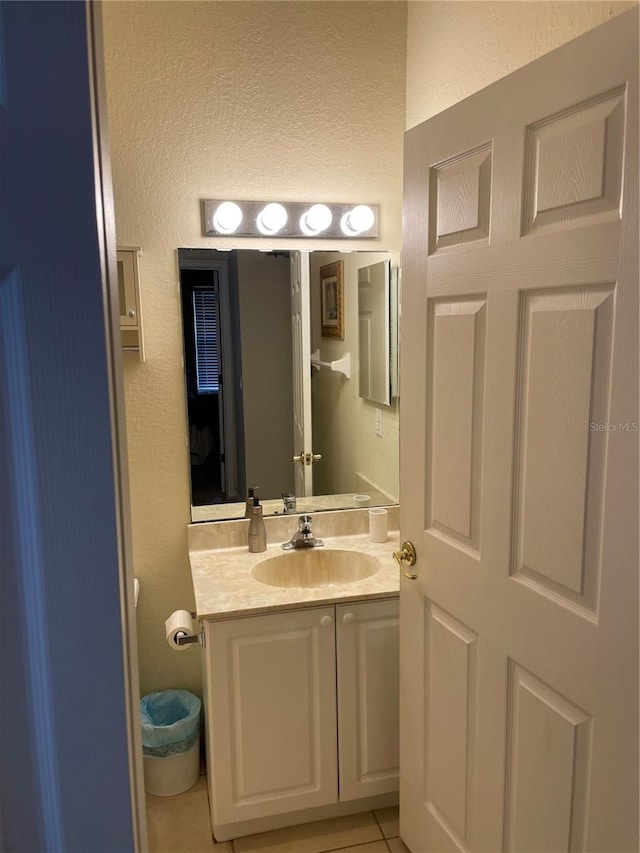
pixel 332 300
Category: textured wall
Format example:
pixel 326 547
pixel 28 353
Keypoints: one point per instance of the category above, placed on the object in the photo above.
pixel 457 48
pixel 254 99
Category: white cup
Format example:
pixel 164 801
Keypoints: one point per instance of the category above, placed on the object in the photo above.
pixel 378 519
pixel 362 500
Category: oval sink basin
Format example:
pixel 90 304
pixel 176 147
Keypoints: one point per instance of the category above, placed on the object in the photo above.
pixel 315 567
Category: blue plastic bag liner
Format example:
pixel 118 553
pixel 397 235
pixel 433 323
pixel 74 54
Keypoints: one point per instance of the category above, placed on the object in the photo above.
pixel 170 722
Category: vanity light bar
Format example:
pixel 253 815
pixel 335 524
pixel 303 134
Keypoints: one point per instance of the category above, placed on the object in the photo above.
pixel 224 217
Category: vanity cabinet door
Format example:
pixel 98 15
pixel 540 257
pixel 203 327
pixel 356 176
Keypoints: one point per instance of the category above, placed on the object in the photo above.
pixel 367 636
pixel 272 704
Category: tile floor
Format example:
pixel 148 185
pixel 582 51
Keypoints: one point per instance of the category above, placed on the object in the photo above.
pixel 181 825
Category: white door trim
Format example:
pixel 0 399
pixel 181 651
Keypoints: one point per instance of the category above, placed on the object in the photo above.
pixel 107 236
pixel 301 354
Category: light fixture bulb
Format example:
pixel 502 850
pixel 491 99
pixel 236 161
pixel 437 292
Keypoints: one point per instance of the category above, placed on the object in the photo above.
pixel 357 221
pixel 227 217
pixel 315 220
pixel 272 218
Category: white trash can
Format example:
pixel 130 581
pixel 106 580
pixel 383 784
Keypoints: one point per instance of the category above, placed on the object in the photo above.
pixel 172 774
pixel 170 741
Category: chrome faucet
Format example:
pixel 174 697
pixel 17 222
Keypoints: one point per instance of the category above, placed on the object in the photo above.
pixel 303 537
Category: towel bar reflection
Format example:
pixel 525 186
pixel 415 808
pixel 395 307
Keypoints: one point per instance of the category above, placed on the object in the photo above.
pixel 341 365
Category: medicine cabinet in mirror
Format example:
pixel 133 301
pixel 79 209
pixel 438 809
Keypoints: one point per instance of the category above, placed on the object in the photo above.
pixel 378 332
pixel 274 403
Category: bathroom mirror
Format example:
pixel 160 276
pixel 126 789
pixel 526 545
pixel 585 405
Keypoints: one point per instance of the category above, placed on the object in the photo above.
pixel 377 332
pixel 248 339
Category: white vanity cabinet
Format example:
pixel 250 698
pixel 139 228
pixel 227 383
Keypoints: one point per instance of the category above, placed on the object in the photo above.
pixel 368 654
pixel 271 699
pixel 280 737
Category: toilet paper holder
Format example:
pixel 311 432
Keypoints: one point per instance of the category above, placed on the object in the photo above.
pixel 187 639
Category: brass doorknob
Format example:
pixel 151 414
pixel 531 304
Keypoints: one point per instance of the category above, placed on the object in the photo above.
pixel 307 458
pixel 406 557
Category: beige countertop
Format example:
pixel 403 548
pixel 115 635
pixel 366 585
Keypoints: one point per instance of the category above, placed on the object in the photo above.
pixel 224 586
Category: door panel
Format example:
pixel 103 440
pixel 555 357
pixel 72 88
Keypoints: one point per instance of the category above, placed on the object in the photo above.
pixel 451 702
pixel 573 164
pixel 455 367
pixel 548 758
pixel 563 378
pixel 519 639
pixel 460 199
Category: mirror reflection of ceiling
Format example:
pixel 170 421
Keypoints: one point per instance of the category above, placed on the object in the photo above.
pixel 242 432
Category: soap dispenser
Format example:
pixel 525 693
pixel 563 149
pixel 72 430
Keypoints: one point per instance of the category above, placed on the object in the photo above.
pixel 249 503
pixel 257 530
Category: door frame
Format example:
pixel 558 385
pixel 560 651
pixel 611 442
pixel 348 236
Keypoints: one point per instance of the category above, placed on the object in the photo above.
pixel 300 277
pixel 105 218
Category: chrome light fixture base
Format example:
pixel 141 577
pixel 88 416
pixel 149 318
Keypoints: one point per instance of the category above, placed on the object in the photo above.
pixel 301 220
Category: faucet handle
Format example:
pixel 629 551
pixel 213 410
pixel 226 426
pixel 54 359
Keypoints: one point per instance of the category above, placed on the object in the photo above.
pixel 305 522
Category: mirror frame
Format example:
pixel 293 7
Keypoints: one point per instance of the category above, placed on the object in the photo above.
pixel 316 503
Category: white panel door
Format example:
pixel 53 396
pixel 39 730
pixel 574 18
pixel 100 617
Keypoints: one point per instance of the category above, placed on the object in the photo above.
pixel 519 466
pixel 272 712
pixel 301 353
pixel 367 637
